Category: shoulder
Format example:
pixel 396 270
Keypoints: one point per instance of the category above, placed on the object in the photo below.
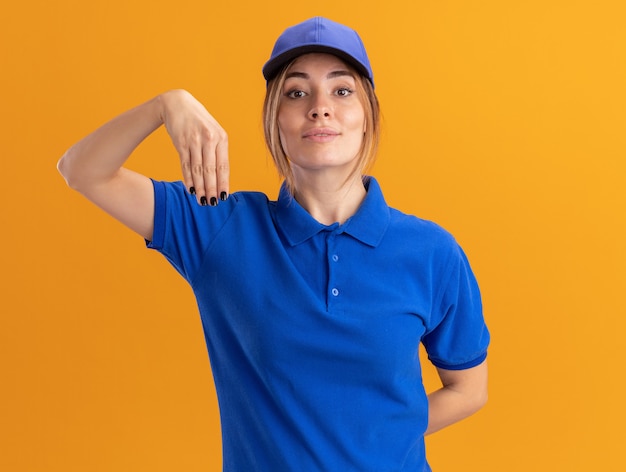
pixel 426 233
pixel 176 190
pixel 409 235
pixel 177 211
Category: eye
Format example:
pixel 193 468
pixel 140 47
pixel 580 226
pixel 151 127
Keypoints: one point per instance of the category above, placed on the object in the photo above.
pixel 295 94
pixel 344 92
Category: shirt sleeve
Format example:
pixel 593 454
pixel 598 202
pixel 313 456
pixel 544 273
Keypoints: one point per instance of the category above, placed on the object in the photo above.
pixel 183 229
pixel 460 339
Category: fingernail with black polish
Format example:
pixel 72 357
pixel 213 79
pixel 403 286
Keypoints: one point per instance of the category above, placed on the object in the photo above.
pixel 213 201
pixel 223 196
pixel 192 190
pixel 203 201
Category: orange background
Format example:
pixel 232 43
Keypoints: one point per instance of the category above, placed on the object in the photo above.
pixel 504 122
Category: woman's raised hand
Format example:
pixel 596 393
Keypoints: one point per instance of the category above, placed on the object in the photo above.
pixel 202 145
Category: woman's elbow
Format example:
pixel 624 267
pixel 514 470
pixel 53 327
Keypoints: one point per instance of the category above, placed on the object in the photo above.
pixel 477 390
pixel 480 399
pixel 478 395
pixel 62 168
pixel 67 170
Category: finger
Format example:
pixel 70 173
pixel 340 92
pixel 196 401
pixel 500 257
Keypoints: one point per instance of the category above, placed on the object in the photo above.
pixel 197 174
pixel 208 173
pixel 185 164
pixel 222 169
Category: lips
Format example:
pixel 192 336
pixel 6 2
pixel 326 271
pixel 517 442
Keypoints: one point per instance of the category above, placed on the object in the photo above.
pixel 320 133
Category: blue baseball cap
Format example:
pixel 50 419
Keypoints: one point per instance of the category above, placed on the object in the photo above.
pixel 318 35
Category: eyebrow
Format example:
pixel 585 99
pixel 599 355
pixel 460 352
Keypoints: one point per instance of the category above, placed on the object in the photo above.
pixel 330 75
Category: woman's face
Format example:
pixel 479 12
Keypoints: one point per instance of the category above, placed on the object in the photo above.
pixel 321 120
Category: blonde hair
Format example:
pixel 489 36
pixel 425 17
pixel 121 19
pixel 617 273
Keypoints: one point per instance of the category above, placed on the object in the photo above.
pixel 371 137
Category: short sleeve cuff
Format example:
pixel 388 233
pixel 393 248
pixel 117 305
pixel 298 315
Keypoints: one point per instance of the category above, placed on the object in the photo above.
pixel 158 233
pixel 467 365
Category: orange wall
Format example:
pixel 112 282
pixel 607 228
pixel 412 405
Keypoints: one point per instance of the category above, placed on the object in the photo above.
pixel 504 122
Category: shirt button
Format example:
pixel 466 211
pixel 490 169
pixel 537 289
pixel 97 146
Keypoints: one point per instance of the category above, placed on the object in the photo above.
pixel 335 292
pixel 335 257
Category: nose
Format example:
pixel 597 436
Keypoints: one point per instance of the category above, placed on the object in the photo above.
pixel 320 108
pixel 315 114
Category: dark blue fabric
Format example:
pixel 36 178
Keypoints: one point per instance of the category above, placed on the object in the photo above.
pixel 313 331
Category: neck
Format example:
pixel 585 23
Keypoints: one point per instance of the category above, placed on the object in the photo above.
pixel 330 201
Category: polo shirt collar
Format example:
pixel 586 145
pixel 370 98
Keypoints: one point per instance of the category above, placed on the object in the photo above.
pixel 367 225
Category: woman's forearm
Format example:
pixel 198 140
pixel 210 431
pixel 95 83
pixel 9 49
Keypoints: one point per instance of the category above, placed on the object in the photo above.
pixel 464 392
pixel 94 165
pixel 447 407
pixel 99 156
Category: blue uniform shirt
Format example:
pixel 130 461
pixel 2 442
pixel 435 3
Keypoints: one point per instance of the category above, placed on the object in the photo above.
pixel 313 331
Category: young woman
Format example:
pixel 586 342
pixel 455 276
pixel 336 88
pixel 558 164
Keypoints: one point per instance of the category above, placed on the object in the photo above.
pixel 313 305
